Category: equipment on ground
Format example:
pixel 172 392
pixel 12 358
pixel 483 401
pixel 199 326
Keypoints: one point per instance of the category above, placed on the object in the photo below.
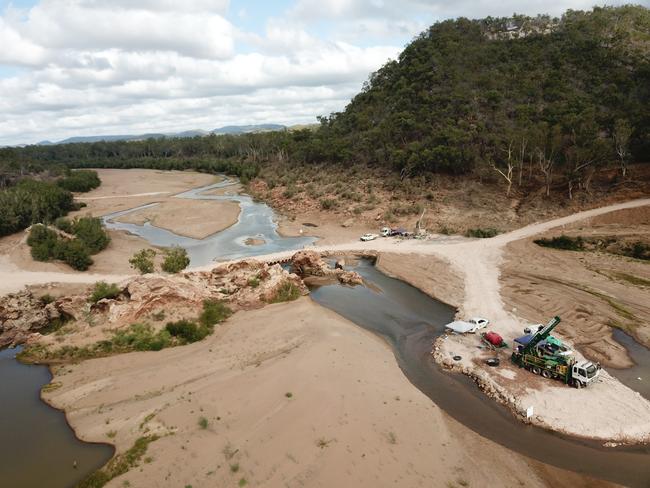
pixel 545 355
pixel 493 339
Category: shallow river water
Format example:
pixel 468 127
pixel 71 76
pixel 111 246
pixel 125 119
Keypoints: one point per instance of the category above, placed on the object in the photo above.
pixel 256 220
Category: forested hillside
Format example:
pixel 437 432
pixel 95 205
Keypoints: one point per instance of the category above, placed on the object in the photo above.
pixel 529 102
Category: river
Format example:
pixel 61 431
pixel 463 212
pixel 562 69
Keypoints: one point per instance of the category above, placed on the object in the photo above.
pixel 38 447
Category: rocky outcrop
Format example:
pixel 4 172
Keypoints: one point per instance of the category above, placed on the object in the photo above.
pixel 310 263
pixel 22 314
pixel 242 285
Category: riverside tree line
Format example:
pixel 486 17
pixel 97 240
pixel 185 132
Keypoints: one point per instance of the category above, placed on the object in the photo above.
pixel 536 102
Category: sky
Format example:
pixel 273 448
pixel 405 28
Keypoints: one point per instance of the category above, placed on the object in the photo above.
pixel 91 67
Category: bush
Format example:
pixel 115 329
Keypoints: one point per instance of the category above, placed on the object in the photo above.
pixel 563 242
pixel 143 261
pixel 90 230
pixel 213 313
pixel 43 243
pixel 328 203
pixel 140 337
pixel 287 292
pixel 187 331
pixel 639 250
pixel 176 260
pixel 482 233
pixel 64 224
pixel 74 253
pixel 104 290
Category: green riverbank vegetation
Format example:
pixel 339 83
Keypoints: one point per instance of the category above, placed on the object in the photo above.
pixel 40 197
pixel 70 241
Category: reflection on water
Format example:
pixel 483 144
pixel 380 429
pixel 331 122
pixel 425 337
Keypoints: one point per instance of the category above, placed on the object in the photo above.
pixel 255 220
pixel 410 321
pixel 37 447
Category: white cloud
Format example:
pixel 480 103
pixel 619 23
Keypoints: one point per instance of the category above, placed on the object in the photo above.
pixel 79 26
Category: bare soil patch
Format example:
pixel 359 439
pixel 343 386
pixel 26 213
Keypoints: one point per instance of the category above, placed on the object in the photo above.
pixel 191 218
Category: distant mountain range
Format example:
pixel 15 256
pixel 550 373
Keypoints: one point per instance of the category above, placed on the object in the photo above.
pixel 228 129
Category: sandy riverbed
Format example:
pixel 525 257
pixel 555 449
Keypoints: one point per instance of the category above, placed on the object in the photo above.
pixel 123 189
pixel 352 419
pixel 198 220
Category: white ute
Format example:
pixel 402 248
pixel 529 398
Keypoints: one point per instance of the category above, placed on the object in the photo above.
pixel 467 326
pixel 369 237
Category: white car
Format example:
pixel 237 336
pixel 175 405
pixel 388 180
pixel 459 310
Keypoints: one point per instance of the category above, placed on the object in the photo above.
pixel 369 237
pixel 478 323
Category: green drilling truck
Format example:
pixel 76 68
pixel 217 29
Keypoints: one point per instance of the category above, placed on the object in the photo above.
pixel 545 355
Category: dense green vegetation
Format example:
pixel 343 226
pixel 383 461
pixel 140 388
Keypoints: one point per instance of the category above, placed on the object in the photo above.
pixel 80 181
pixel 562 242
pixel 86 236
pixel 30 202
pixel 533 102
pixel 25 201
pixel 609 244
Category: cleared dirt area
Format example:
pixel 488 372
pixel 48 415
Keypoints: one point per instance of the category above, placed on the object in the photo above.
pixel 292 395
pixel 198 219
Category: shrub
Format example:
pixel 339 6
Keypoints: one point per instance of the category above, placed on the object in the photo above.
pixel 64 224
pixel 639 250
pixel 328 203
pixel 203 423
pixel 143 261
pixel 287 292
pixel 176 260
pixel 74 253
pixel 187 331
pixel 563 242
pixel 104 290
pixel 214 312
pixel 482 233
pixel 140 337
pixel 90 231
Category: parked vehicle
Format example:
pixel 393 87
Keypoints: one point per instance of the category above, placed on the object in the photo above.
pixel 533 352
pixel 467 326
pixel 398 231
pixel 369 237
pixel 385 232
pixel 478 323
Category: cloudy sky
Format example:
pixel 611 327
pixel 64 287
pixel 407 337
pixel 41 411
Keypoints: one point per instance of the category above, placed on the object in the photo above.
pixel 87 67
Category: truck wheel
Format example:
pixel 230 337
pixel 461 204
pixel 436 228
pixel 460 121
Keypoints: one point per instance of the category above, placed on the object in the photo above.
pixel 546 373
pixel 578 384
pixel 536 370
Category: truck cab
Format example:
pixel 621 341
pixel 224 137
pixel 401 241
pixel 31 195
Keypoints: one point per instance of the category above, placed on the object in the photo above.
pixel 584 372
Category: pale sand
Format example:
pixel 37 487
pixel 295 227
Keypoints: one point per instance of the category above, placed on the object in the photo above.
pixel 197 218
pixel 353 418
